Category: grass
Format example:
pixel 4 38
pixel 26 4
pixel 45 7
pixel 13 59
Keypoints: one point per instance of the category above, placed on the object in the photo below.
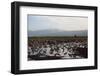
pixel 81 38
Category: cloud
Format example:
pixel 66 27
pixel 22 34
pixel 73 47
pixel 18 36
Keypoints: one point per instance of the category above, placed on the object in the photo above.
pixel 57 22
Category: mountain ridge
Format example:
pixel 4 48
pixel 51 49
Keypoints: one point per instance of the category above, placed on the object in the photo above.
pixel 56 32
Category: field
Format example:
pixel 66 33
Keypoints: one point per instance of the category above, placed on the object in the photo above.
pixel 48 48
pixel 71 38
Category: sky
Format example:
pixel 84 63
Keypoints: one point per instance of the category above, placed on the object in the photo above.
pixel 66 23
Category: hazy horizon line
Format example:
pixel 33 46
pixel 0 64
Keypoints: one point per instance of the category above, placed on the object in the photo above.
pixel 59 30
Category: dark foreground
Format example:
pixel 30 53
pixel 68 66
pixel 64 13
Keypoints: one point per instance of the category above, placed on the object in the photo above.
pixel 50 48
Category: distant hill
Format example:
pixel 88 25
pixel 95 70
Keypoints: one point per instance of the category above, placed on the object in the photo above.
pixel 56 32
